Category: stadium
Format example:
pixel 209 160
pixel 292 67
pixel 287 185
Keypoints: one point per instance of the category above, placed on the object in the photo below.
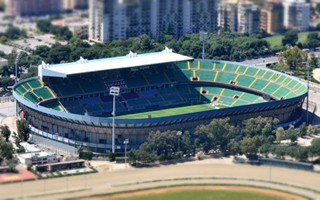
pixel 70 102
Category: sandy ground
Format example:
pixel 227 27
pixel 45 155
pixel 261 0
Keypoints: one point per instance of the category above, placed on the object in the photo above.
pixel 316 74
pixel 283 195
pixel 120 180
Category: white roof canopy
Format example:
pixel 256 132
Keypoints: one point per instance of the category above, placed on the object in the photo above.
pixel 130 61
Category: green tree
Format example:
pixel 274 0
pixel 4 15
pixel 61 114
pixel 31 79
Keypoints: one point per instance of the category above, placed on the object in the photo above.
pixel 259 126
pixel 6 150
pixel 249 146
pixel 5 81
pixel 318 7
pixel 313 62
pixel 310 130
pixel 291 135
pixel 290 38
pixel 315 147
pixel 5 132
pixel 142 156
pixel 42 51
pixel 303 130
pixel 215 135
pixel 313 40
pixel 164 144
pixel 279 134
pixel 23 129
pixel 59 53
pixel 301 153
pixel 44 25
pixel 14 33
pixel 2 6
pixel 295 58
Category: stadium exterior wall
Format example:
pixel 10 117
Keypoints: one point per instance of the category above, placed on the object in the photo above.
pixel 94 133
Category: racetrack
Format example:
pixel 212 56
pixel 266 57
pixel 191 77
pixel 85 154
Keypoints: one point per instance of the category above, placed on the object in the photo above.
pixel 212 171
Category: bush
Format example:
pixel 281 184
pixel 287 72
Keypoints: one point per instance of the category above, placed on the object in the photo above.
pixel 86 155
pixel 113 156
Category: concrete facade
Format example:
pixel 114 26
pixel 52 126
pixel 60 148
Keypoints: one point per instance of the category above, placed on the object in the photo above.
pixel 116 19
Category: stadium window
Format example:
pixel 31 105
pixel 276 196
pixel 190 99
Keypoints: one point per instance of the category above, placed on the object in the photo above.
pixel 102 141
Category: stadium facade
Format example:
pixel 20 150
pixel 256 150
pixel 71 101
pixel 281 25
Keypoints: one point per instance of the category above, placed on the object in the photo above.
pixel 70 102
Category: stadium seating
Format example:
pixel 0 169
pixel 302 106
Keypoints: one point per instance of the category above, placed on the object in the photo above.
pixel 158 87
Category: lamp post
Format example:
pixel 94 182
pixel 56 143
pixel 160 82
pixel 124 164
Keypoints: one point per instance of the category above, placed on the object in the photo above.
pixel 16 66
pixel 308 87
pixel 114 91
pixel 179 133
pixel 16 79
pixel 308 79
pixel 203 38
pixel 125 142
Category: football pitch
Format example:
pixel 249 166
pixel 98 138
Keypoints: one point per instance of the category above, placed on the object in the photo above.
pixel 170 111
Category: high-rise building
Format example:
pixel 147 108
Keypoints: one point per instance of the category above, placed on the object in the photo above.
pixel 121 19
pixel 297 14
pixel 24 8
pixel 271 18
pixel 228 15
pixel 75 4
pixel 249 18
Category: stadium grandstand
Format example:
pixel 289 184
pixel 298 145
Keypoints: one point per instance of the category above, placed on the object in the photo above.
pixel 70 102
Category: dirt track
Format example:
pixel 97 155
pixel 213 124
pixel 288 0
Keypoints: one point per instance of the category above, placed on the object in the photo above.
pixel 125 180
pixel 283 195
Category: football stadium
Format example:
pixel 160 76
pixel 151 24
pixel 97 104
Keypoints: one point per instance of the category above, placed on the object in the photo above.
pixel 71 102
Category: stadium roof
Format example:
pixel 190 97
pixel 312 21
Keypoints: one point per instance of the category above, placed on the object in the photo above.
pixel 130 61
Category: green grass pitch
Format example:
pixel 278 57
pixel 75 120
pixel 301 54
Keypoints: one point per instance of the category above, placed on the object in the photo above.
pixel 170 111
pixel 204 195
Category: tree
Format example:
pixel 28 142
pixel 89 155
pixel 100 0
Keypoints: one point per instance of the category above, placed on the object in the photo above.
pixel 249 146
pixel 42 51
pixel 295 57
pixel 290 38
pixel 2 6
pixel 142 156
pixel 44 25
pixel 301 153
pixel 291 135
pixel 303 130
pixel 5 132
pixel 279 134
pixel 215 135
pixel 59 53
pixel 318 7
pixel 5 81
pixel 6 150
pixel 259 126
pixel 310 130
pixel 315 147
pixel 313 40
pixel 313 62
pixel 23 129
pixel 164 144
pixel 14 33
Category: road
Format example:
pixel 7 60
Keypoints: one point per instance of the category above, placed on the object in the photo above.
pixel 116 180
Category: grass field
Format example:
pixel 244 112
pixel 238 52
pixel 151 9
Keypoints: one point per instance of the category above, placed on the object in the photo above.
pixel 204 195
pixel 169 112
pixel 276 40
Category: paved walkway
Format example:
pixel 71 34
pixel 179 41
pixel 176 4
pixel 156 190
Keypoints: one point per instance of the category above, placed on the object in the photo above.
pixel 119 180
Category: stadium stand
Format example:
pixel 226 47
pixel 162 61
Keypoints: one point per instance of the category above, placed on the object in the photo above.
pixel 155 87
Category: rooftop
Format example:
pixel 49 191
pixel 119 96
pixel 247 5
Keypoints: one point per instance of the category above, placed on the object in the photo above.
pixel 129 61
pixel 40 154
